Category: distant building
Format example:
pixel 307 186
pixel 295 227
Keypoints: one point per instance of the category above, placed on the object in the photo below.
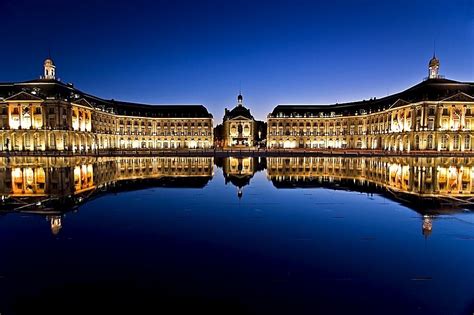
pixel 240 128
pixel 436 114
pixel 46 114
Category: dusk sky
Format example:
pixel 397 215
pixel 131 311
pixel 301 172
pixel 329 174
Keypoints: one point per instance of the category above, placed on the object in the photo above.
pixel 201 52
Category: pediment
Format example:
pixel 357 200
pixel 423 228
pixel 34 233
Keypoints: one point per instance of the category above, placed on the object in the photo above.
pixel 399 102
pixel 83 102
pixel 459 97
pixel 23 96
pixel 240 118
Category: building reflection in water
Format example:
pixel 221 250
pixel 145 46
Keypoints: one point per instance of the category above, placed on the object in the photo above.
pixel 239 171
pixel 430 186
pixel 51 186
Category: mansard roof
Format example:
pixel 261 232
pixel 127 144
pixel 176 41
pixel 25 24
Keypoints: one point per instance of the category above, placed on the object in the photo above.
pixel 429 90
pixel 56 90
pixel 237 111
pixel 185 111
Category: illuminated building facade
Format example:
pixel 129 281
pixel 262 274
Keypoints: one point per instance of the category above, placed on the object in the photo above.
pixel 46 114
pixel 436 114
pixel 240 128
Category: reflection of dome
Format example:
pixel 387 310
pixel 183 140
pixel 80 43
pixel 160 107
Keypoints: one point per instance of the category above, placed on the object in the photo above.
pixel 239 193
pixel 55 225
pixel 427 226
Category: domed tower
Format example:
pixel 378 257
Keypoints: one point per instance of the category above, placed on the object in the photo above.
pixel 240 100
pixel 433 68
pixel 49 69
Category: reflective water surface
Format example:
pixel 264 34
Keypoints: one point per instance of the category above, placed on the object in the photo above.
pixel 296 235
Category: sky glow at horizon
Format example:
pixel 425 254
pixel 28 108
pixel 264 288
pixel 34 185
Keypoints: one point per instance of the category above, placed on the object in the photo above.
pixel 201 52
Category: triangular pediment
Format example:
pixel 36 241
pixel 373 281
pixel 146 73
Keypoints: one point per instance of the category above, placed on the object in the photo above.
pixel 83 102
pixel 23 96
pixel 240 118
pixel 460 97
pixel 399 103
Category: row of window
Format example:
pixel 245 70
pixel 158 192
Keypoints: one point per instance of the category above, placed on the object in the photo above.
pixel 431 111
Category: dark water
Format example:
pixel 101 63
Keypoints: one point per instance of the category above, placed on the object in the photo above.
pixel 251 236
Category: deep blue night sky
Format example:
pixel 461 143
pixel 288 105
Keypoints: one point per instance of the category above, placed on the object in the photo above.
pixel 201 51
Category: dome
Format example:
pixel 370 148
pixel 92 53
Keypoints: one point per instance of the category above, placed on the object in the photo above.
pixel 240 98
pixel 434 62
pixel 239 110
pixel 48 61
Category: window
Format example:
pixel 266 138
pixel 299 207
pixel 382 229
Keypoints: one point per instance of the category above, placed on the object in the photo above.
pixel 444 141
pixel 456 142
pixel 467 142
pixel 430 142
pixel 431 124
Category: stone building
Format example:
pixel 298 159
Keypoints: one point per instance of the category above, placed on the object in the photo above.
pixel 436 114
pixel 46 114
pixel 240 128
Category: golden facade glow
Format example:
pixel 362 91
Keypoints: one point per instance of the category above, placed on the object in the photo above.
pixel 240 128
pixel 42 125
pixel 436 126
pixel 437 177
pixel 75 178
pixel 41 176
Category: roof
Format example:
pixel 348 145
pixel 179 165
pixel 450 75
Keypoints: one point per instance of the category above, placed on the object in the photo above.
pixel 238 111
pixel 53 89
pixel 428 90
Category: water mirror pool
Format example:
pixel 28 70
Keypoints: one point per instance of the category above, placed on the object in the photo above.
pixel 290 235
